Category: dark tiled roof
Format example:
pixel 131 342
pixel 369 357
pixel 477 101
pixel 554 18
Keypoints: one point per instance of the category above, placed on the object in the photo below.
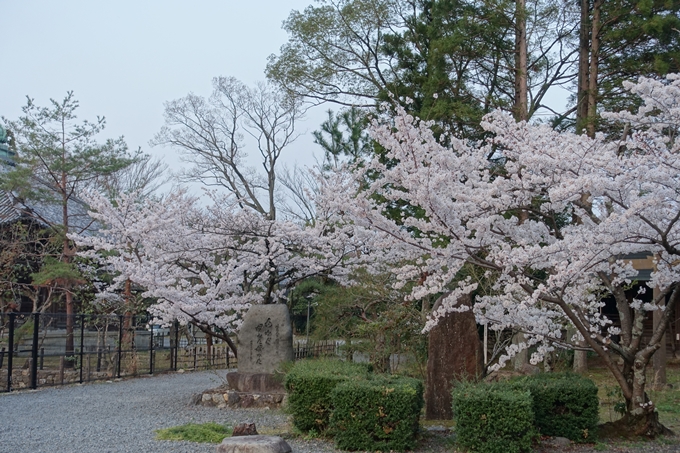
pixel 8 211
pixel 44 213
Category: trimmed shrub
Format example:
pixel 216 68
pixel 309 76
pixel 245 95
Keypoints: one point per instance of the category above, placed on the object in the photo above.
pixel 564 404
pixel 377 414
pixel 493 418
pixel 309 384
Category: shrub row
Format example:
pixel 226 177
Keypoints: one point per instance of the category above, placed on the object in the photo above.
pixel 505 417
pixel 362 411
pixel 564 404
pixel 309 384
pixel 377 414
pixel 493 419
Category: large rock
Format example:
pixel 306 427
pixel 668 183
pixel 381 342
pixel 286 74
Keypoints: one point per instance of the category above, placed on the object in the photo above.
pixel 254 444
pixel 454 353
pixel 265 339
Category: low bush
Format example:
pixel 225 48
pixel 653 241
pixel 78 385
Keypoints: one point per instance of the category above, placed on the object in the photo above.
pixel 564 404
pixel 309 384
pixel 381 413
pixel 493 418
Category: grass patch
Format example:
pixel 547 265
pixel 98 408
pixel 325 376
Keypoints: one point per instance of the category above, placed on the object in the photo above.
pixel 192 432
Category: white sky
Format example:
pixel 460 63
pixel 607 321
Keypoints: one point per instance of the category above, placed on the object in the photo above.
pixel 123 59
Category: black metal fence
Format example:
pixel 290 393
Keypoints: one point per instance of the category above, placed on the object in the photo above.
pixel 321 349
pixel 37 349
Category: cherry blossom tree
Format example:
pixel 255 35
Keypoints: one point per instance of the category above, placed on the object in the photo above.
pixel 551 219
pixel 206 266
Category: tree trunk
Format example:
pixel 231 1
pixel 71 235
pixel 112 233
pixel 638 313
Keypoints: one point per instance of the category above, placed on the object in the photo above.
pixel 70 322
pixel 521 89
pixel 593 69
pixel 583 68
pixel 635 426
pixel 659 357
pixel 70 314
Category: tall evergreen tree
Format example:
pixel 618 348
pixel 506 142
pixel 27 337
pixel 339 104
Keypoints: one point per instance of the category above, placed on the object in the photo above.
pixel 622 40
pixel 59 157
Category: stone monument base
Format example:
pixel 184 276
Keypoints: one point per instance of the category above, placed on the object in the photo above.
pixel 255 382
pixel 223 397
pixel 246 390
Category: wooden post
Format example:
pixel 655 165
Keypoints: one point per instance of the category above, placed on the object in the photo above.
pixel 10 351
pixel 61 370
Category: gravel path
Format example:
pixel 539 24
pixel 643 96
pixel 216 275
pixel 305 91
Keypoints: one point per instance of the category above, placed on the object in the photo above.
pixel 121 416
pixel 118 417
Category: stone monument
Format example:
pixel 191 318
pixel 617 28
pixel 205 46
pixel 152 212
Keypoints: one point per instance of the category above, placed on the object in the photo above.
pixel 454 354
pixel 265 340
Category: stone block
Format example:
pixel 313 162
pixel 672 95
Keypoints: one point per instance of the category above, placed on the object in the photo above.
pixel 233 398
pixel 247 401
pixel 254 444
pixel 244 429
pixel 255 382
pixel 265 339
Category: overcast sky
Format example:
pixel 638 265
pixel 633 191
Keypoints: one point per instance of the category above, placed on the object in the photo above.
pixel 123 59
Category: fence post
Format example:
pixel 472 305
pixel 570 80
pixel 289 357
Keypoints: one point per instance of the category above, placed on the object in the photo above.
pixel 176 344
pixel 133 346
pixel 151 351
pixel 42 358
pixel 120 343
pixel 82 344
pixel 34 351
pixel 2 356
pixel 10 345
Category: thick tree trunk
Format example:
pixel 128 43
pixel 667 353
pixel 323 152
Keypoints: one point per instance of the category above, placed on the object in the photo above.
pixel 634 426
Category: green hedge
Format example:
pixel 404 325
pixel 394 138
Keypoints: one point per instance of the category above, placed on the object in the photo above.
pixel 493 419
pixel 309 384
pixel 564 404
pixel 377 414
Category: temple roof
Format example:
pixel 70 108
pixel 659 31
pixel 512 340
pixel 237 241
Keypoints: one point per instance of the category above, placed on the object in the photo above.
pixel 44 213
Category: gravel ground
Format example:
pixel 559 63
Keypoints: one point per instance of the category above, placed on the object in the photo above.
pixel 118 417
pixel 121 416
